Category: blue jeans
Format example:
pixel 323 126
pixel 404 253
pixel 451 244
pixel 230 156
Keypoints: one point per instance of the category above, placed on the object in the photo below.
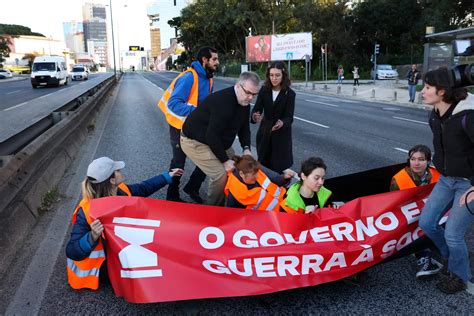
pixel 412 91
pixel 449 240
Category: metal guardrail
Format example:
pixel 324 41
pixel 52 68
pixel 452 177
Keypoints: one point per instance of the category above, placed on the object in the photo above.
pixel 21 127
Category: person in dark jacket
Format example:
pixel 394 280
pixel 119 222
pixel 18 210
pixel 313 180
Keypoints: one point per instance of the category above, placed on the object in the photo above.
pixel 413 76
pixel 274 110
pixel 452 124
pixel 85 245
pixel 209 132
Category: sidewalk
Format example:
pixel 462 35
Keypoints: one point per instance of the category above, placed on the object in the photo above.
pixel 384 91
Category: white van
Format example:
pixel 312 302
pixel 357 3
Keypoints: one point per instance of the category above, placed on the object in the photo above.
pixel 49 70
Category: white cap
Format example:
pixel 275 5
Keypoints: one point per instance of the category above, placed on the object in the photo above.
pixel 102 168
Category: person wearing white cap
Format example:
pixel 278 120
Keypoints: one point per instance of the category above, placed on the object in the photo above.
pixel 85 250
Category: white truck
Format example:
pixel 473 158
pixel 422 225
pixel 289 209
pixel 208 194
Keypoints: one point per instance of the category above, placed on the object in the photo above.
pixel 49 70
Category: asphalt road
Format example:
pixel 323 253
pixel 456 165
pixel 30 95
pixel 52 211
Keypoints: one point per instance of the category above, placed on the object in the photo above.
pixel 350 136
pixel 15 92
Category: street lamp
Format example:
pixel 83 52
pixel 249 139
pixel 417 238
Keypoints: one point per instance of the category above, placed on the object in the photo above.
pixel 113 38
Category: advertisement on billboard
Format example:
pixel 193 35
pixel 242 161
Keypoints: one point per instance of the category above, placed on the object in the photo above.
pixel 294 46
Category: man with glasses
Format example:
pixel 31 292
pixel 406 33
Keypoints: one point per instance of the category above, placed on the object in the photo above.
pixel 209 132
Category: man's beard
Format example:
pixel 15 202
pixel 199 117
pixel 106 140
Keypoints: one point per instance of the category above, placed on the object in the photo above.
pixel 209 71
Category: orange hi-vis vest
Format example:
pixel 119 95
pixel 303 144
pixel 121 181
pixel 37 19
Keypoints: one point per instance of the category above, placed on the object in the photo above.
pixel 267 196
pixel 172 118
pixel 85 273
pixel 404 181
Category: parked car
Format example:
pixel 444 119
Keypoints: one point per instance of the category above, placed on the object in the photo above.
pixel 80 73
pixel 385 71
pixel 5 73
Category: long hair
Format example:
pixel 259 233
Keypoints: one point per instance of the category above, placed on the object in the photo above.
pixel 246 164
pixel 97 190
pixel 285 79
pixel 441 79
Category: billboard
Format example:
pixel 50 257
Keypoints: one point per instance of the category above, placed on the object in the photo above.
pixel 293 46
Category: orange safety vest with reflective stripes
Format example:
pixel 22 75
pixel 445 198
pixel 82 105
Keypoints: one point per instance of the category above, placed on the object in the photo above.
pixel 172 118
pixel 404 181
pixel 85 273
pixel 266 197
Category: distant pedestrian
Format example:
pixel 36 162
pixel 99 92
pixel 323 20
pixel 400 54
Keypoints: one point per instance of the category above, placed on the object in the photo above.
pixel 274 108
pixel 413 76
pixel 340 75
pixel 355 72
pixel 209 132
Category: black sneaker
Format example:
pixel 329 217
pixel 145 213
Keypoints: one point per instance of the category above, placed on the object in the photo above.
pixel 194 195
pixel 428 267
pixel 451 284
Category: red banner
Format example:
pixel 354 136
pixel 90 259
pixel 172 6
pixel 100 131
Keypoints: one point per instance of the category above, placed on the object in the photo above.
pixel 166 251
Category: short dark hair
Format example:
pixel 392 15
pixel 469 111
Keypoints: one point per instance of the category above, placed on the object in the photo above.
pixel 285 80
pixel 205 52
pixel 425 150
pixel 310 164
pixel 441 79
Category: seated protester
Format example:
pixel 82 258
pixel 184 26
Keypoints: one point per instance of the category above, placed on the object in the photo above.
pixel 309 193
pixel 418 172
pixel 252 186
pixel 85 250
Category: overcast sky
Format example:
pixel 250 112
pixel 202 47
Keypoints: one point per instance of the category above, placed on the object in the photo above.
pixel 131 23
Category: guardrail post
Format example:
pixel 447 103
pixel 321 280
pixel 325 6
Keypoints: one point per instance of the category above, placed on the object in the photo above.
pixel 325 87
pixel 314 85
pixel 354 91
pixel 394 95
pixel 372 95
pixel 338 89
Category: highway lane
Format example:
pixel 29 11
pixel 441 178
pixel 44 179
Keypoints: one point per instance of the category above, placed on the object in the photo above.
pixel 133 129
pixel 19 92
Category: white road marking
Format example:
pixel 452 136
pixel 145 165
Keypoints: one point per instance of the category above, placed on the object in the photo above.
pixel 16 106
pixel 160 88
pixel 48 94
pixel 319 102
pixel 402 150
pixel 408 120
pixel 317 124
pixel 390 109
pixel 14 92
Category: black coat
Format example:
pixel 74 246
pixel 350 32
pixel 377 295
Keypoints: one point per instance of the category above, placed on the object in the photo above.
pixel 275 149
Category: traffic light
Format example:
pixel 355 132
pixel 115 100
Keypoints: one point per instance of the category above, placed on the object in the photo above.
pixel 377 49
pixel 372 58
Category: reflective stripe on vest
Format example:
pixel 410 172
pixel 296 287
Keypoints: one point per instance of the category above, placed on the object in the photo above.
pixel 265 197
pixel 172 118
pixel 85 273
pixel 404 181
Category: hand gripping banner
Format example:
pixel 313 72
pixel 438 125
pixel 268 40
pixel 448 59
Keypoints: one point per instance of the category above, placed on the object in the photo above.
pixel 166 251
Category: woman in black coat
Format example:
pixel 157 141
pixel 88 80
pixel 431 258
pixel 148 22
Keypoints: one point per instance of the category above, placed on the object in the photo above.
pixel 274 108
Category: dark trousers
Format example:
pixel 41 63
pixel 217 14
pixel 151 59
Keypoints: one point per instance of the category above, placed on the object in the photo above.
pixel 178 161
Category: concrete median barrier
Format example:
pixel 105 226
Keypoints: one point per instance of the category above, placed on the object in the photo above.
pixel 36 169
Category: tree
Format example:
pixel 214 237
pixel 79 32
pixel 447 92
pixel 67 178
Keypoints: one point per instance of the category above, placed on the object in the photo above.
pixel 30 57
pixel 5 42
pixel 13 29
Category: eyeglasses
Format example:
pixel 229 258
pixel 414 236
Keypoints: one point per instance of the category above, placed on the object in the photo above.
pixel 247 92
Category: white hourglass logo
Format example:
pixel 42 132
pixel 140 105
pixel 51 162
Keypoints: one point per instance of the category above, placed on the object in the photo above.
pixel 135 255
